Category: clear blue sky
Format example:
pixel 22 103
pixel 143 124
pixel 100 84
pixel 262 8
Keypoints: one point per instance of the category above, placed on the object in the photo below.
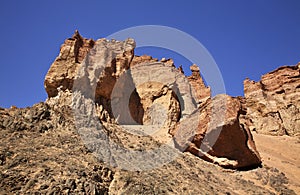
pixel 246 38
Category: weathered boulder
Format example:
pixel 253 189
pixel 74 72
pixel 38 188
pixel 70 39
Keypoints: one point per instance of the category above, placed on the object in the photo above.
pixel 215 133
pixel 273 102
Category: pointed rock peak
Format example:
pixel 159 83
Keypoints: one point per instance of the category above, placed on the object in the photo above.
pixel 194 68
pixel 195 71
pixel 180 69
pixel 76 35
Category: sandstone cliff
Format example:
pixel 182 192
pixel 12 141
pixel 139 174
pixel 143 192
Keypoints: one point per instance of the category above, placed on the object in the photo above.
pixel 273 102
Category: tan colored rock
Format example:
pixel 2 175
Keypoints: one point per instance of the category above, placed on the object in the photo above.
pixel 159 104
pixel 62 72
pixel 168 62
pixel 219 137
pixel 45 141
pixel 125 89
pixel 273 102
pixel 142 59
pixel 201 91
pixel 164 93
pixel 180 69
pixel 94 66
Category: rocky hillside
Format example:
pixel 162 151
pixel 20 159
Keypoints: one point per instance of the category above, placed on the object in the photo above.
pixel 117 123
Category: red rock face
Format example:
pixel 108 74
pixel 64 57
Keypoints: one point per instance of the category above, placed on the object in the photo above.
pixel 273 102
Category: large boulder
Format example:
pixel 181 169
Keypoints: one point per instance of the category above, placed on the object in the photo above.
pixel 215 133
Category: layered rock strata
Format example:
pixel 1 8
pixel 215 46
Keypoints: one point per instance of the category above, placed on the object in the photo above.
pixel 273 102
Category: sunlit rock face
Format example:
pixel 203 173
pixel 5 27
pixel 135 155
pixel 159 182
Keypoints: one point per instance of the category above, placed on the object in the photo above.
pixel 62 72
pixel 202 92
pixel 273 102
pixel 219 136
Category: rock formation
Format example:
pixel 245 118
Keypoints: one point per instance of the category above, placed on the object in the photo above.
pixel 61 73
pixel 273 102
pixel 141 90
pixel 219 137
pixel 202 92
pixel 107 109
